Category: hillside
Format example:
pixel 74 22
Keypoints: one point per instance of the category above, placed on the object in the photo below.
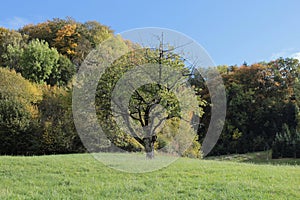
pixel 80 176
pixel 262 157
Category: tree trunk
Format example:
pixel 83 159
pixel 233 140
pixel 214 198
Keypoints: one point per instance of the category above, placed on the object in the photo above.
pixel 149 146
pixel 150 155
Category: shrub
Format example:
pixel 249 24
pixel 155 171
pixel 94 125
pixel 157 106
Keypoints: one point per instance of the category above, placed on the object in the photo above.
pixel 18 114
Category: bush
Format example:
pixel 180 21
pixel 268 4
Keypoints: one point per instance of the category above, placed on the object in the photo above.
pixel 58 130
pixel 194 151
pixel 18 114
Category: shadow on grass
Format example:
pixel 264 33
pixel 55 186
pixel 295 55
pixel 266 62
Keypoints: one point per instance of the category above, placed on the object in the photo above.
pixel 264 157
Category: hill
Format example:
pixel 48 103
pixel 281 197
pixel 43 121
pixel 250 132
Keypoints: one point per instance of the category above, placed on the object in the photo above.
pixel 80 176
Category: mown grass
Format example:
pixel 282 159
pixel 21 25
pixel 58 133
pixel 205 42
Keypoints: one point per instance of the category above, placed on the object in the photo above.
pixel 82 177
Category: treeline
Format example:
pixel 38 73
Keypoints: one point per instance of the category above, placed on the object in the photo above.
pixel 38 63
pixel 262 109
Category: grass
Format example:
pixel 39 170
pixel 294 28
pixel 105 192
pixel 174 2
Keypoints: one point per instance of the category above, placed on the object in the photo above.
pixel 264 157
pixel 80 176
pixel 134 162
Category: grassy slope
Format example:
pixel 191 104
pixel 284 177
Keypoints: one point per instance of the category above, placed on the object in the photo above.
pixel 263 157
pixel 82 177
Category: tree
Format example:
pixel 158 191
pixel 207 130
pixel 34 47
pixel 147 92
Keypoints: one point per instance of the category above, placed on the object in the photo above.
pixel 46 30
pixel 18 114
pixel 39 63
pixel 66 40
pixel 286 144
pixel 71 38
pixel 151 104
pixel 95 32
pixel 11 44
pixel 261 98
pixel 38 60
pixel 62 72
pixel 56 121
pixel 92 33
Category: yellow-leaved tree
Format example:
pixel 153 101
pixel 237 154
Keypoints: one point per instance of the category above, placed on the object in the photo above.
pixel 18 113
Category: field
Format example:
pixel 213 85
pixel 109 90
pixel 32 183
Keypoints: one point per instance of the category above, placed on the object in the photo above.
pixel 263 157
pixel 80 176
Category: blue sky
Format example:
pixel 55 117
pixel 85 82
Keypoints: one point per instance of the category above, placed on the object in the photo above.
pixel 232 31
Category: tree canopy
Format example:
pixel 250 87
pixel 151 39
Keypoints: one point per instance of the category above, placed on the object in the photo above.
pixel 39 61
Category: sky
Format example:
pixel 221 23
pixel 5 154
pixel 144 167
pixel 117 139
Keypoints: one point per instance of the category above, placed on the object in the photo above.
pixel 231 31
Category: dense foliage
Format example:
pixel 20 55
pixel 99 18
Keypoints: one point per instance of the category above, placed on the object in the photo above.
pixel 261 99
pixel 143 110
pixel 38 63
pixel 35 96
pixel 18 113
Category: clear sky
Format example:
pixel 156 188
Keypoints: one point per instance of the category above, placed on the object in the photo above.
pixel 232 31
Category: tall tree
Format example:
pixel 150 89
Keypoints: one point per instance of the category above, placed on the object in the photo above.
pixel 151 105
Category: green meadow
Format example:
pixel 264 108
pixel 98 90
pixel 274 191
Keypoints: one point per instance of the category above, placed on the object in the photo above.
pixel 81 176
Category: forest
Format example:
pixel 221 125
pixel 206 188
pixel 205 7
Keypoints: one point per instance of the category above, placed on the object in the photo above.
pixel 38 65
